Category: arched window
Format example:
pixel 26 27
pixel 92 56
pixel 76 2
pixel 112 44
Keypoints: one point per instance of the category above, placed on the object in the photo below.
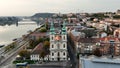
pixel 52 58
pixel 52 37
pixel 64 37
pixel 58 54
pixel 63 53
pixel 52 46
pixel 63 45
pixel 52 54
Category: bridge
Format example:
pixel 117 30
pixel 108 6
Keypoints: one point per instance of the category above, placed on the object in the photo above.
pixel 26 23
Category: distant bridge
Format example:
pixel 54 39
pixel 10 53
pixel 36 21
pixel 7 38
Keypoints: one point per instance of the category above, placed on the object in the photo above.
pixel 26 22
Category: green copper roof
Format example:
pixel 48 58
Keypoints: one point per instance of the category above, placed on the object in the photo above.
pixel 64 28
pixel 52 28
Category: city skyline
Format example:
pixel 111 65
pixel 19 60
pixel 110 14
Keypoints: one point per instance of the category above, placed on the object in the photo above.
pixel 30 7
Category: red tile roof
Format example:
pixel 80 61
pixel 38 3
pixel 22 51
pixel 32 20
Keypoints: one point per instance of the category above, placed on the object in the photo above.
pixel 88 40
pixel 95 40
pixel 39 34
pixel 108 39
pixel 37 49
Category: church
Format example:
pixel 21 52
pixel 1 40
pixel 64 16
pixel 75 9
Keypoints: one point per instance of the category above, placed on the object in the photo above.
pixel 58 43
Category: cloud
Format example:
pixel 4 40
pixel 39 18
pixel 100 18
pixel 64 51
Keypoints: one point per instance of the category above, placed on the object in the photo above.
pixel 29 7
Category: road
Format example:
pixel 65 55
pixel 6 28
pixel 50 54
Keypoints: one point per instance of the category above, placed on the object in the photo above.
pixel 7 61
pixel 72 52
pixel 58 64
pixel 46 66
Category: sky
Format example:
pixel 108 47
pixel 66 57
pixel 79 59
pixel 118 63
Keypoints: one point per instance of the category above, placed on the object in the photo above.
pixel 30 7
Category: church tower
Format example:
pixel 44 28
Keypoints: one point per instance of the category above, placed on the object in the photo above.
pixel 58 43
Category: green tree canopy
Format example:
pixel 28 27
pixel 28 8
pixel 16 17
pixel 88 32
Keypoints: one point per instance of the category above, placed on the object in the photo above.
pixel 97 52
pixel 42 54
pixel 46 44
pixel 43 29
pixel 24 53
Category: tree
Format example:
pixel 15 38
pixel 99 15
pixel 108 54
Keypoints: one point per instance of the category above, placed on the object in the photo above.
pixel 46 25
pixel 43 29
pixel 98 15
pixel 33 43
pixel 7 48
pixel 10 46
pixel 116 16
pixel 97 52
pixel 89 32
pixel 46 44
pixel 28 67
pixel 24 53
pixel 47 39
pixel 42 54
pixel 41 39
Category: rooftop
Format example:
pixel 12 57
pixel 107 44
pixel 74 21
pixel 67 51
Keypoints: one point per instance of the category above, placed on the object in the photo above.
pixel 37 49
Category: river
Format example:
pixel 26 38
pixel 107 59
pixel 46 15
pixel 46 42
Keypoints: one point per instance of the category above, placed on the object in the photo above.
pixel 8 33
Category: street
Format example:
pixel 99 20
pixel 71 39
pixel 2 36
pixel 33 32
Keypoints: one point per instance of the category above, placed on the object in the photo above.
pixel 10 57
pixel 58 64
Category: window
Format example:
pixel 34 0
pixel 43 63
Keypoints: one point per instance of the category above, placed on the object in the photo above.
pixel 63 53
pixel 52 54
pixel 52 58
pixel 58 54
pixel 63 45
pixel 64 37
pixel 52 37
pixel 52 46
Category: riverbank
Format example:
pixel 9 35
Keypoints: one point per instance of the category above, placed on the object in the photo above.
pixel 8 33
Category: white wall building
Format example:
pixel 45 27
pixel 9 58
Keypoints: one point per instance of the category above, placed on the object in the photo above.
pixel 101 62
pixel 35 55
pixel 58 44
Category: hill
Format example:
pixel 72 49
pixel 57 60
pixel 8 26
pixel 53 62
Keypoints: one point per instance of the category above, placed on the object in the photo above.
pixel 43 15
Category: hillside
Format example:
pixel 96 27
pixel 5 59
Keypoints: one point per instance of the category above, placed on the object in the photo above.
pixel 43 15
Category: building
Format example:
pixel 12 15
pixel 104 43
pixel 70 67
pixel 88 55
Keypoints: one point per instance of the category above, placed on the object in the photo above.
pixel 102 34
pixel 99 62
pixel 58 43
pixel 38 35
pixel 108 43
pixel 117 33
pixel 35 54
pixel 86 45
pixel 118 12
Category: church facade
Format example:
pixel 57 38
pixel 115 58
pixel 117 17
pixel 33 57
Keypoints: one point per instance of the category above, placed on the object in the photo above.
pixel 58 43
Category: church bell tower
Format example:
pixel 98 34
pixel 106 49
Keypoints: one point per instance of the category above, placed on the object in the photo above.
pixel 58 43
